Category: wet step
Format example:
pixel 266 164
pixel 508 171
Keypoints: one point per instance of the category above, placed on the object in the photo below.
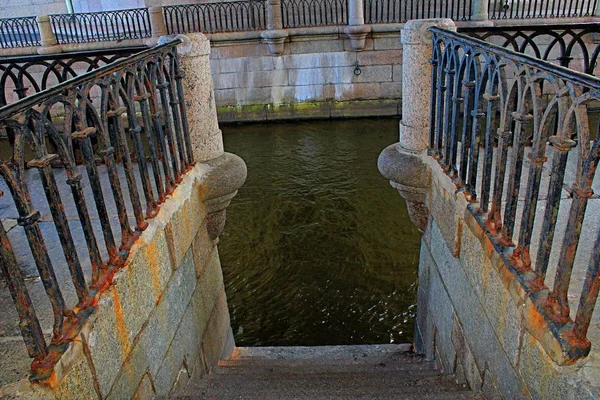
pixel 327 372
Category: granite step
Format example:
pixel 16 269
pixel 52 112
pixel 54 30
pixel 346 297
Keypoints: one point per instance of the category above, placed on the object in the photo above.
pixel 327 372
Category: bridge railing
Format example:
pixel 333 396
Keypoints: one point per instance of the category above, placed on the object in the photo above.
pixel 23 76
pixel 398 11
pixel 574 46
pixel 231 16
pixel 104 150
pixel 19 32
pixel 101 26
pixel 525 9
pixel 304 13
pixel 515 133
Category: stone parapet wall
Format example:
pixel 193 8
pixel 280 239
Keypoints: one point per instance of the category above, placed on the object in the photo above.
pixel 315 77
pixel 473 321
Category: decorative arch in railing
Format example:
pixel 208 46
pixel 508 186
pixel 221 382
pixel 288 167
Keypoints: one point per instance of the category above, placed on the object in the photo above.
pixel 397 11
pixel 19 32
pixel 574 46
pixel 503 127
pixel 299 13
pixel 231 16
pixel 101 26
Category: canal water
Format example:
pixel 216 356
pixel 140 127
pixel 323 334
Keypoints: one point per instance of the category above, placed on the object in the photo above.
pixel 318 248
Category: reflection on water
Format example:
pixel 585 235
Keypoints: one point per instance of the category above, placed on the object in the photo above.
pixel 318 248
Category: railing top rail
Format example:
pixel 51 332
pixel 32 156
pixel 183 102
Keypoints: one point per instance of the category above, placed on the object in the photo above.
pixel 562 72
pixel 30 101
pixel 546 27
pixel 99 12
pixel 15 18
pixel 42 57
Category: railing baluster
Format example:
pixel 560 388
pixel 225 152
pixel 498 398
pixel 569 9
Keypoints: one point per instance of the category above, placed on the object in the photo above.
pixel 29 323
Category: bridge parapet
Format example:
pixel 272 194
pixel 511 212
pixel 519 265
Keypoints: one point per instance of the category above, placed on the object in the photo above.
pixel 509 213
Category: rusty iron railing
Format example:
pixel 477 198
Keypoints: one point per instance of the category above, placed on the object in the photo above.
pixel 229 16
pixel 574 46
pixel 102 26
pixel 25 75
pixel 107 146
pixel 396 11
pixel 503 126
pixel 525 9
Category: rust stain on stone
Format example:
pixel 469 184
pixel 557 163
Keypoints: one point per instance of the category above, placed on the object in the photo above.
pixel 123 335
pixel 153 257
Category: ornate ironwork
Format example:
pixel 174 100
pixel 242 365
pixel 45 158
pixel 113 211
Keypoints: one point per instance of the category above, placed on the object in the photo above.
pixel 573 46
pixel 510 9
pixel 299 13
pixel 230 16
pixel 102 26
pixel 395 11
pixel 500 121
pixel 23 76
pixel 125 121
pixel 19 32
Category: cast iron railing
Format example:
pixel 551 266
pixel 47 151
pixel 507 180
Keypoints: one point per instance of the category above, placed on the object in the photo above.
pixel 299 13
pixel 101 26
pixel 523 9
pixel 23 76
pixel 491 109
pixel 573 46
pixel 397 11
pixel 19 32
pixel 120 137
pixel 228 16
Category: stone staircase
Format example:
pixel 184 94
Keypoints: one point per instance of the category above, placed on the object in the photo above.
pixel 326 372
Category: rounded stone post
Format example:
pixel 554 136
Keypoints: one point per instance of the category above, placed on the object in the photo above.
pixel 403 162
pixel 416 81
pixel 479 12
pixel 157 21
pixel 205 135
pixel 356 30
pixel 47 37
pixel 275 35
pixel 227 171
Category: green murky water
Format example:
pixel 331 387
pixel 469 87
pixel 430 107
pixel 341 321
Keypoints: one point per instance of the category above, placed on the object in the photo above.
pixel 318 248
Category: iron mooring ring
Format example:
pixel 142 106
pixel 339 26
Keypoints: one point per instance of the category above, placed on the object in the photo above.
pixel 357 70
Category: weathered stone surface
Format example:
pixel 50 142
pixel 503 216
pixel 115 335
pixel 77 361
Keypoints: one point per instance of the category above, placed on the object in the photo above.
pixel 202 248
pixel 217 331
pixel 78 383
pixel 210 285
pixel 150 348
pixel 145 390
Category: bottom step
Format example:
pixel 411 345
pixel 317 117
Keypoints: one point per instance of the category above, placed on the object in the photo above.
pixel 326 372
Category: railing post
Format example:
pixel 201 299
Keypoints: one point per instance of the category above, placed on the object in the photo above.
pixel 47 37
pixel 597 10
pixel 402 163
pixel 480 10
pixel 275 35
pixel 356 30
pixel 157 22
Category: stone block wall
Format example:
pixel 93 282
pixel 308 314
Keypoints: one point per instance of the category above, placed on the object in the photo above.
pixel 163 320
pixel 315 77
pixel 471 321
